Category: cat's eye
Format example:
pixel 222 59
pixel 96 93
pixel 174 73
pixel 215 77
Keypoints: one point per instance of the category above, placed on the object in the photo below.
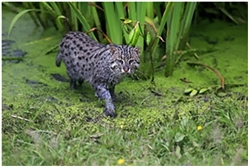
pixel 120 61
pixel 131 61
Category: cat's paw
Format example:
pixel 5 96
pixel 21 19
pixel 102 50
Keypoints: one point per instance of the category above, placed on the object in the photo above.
pixel 109 111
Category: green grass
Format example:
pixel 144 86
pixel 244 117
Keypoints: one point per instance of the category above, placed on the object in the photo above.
pixel 150 130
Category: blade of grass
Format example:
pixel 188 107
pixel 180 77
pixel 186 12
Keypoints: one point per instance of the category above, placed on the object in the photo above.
pixel 175 25
pixel 12 7
pixel 154 43
pixel 190 9
pixel 121 14
pixel 173 37
pixel 48 7
pixel 42 16
pixel 15 19
pixel 132 10
pixel 58 22
pixel 186 22
pixel 74 20
pixel 113 23
pixel 54 10
pixel 158 11
pixel 141 9
pixel 150 9
pixel 27 5
pixel 165 18
pixel 96 21
pixel 55 7
pixel 82 19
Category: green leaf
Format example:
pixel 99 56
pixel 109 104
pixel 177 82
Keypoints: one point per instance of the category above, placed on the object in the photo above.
pixel 113 24
pixel 165 17
pixel 56 8
pixel 179 137
pixel 14 20
pixel 193 93
pixel 195 144
pixel 127 21
pixel 178 152
pixel 82 19
pixel 148 38
pixel 221 94
pixel 203 90
pixel 58 22
pixel 187 91
pixel 97 21
pixel 48 7
pixel 178 26
pixel 135 34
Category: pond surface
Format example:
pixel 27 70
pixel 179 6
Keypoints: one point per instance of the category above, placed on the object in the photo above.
pixel 36 73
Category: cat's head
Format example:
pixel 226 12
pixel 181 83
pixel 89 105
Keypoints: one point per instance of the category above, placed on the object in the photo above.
pixel 125 59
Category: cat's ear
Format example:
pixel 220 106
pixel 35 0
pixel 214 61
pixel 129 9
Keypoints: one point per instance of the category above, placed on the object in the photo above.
pixel 112 50
pixel 137 49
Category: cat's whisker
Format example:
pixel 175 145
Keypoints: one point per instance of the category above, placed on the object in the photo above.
pixel 138 71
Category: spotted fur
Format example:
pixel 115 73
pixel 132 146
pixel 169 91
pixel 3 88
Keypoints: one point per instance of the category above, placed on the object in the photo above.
pixel 103 66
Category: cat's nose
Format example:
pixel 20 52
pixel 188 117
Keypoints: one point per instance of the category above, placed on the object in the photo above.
pixel 126 69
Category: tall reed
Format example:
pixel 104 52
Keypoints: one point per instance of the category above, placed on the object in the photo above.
pixel 177 29
pixel 143 24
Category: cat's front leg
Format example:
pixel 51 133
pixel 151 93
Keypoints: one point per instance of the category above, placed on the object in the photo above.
pixel 113 95
pixel 103 93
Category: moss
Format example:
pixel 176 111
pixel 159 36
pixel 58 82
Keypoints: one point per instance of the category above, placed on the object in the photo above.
pixel 31 83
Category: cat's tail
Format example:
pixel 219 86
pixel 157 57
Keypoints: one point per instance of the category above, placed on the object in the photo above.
pixel 58 59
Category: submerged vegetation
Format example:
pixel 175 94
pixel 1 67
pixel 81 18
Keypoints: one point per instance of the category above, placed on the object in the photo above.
pixel 197 115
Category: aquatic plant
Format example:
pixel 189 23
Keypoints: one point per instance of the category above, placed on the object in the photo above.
pixel 145 24
pixel 85 16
